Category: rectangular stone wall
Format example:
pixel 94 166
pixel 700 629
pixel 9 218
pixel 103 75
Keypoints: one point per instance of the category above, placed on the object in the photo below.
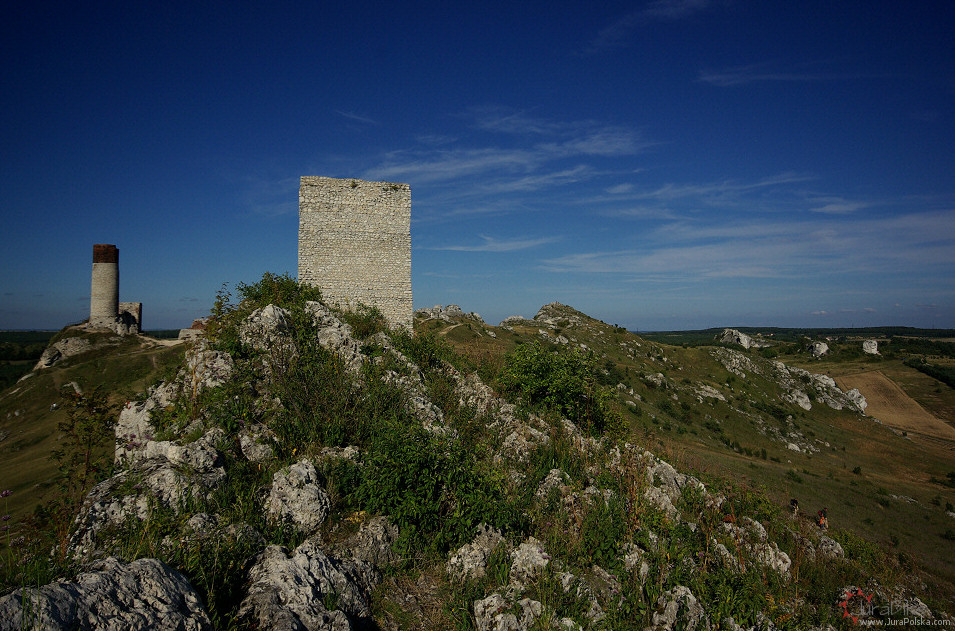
pixel 354 243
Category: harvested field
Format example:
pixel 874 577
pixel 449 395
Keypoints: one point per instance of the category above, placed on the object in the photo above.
pixel 891 405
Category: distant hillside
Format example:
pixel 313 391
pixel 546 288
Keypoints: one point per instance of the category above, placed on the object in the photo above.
pixel 782 334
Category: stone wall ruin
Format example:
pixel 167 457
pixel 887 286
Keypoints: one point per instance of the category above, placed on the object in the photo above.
pixel 354 243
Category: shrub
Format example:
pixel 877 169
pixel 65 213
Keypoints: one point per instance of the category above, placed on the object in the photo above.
pixel 434 491
pixel 562 381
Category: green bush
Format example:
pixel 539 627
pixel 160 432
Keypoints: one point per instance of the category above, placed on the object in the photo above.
pixel 433 490
pixel 562 381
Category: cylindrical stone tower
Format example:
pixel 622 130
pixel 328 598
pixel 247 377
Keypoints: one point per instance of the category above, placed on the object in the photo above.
pixel 104 294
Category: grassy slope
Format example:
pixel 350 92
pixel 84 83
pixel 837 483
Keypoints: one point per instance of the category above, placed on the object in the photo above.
pixel 681 429
pixel 29 424
pixel 888 463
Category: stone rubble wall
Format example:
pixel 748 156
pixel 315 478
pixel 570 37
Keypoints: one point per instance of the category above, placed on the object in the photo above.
pixel 354 243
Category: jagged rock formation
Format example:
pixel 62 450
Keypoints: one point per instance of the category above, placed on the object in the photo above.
pixel 732 336
pixel 794 380
pixel 448 313
pixel 870 347
pixel 111 594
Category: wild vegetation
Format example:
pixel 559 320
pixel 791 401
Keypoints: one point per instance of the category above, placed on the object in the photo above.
pixel 598 399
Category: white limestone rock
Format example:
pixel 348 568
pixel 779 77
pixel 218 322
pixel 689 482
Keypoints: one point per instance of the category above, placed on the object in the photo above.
pixel 732 336
pixel 297 497
pixel 469 562
pixel 266 328
pixel 289 590
pixel 527 561
pixel 678 608
pixel 110 594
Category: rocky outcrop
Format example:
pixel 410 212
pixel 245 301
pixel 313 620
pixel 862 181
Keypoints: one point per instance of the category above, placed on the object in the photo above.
pixel 732 336
pixel 109 594
pixel 162 474
pixel 795 381
pixel 469 562
pixel 447 314
pixel 818 349
pixel 306 589
pixel 678 608
pixel 870 347
pixel 297 498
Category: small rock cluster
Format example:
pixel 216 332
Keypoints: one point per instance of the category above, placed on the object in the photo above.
pixel 447 314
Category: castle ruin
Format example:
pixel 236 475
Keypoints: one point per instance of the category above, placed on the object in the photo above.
pixel 106 311
pixel 354 243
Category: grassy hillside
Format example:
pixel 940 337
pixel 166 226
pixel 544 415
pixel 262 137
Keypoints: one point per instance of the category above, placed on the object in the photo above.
pixel 31 408
pixel 875 480
pixel 437 464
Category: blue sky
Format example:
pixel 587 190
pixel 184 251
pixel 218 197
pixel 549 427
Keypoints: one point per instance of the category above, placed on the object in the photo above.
pixel 661 165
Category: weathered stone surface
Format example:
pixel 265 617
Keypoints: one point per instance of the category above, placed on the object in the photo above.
pixel 206 368
pixel 678 608
pixel 111 594
pixel 732 336
pixel 305 589
pixel 354 243
pixel 446 314
pixel 163 474
pixel 66 347
pixel 870 347
pixel 830 548
pixel 256 442
pixel 372 543
pixel 469 562
pixel 528 560
pixel 134 429
pixel 818 349
pixel 297 497
pixel 266 328
pixel 489 614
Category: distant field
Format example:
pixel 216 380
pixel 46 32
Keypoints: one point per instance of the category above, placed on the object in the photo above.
pixel 891 405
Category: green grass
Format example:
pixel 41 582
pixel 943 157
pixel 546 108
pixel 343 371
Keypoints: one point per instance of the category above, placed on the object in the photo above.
pixel 438 487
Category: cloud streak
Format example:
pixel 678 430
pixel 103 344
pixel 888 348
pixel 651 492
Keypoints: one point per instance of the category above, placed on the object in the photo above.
pixel 787 249
pixel 619 33
pixel 495 245
pixel 770 72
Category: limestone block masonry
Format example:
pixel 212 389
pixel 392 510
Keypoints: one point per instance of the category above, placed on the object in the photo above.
pixel 354 243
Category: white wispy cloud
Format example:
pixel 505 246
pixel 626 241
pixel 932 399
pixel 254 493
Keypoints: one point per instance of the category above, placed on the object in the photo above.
pixel 451 164
pixel 516 168
pixel 499 245
pixel 838 205
pixel 620 32
pixel 773 71
pixel 357 117
pixel 914 243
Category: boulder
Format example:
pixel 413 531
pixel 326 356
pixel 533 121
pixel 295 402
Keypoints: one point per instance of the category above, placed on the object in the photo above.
pixel 297 497
pixel 110 594
pixel 67 347
pixel 305 589
pixel 870 347
pixel 732 336
pixel 266 328
pixel 469 562
pixel 678 608
pixel 164 473
pixel 818 349
pixel 527 561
